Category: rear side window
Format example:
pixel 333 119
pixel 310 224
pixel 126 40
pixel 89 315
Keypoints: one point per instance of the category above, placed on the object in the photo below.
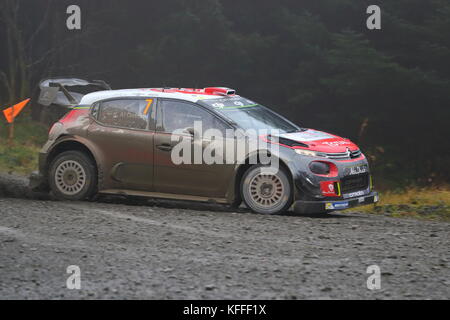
pixel 127 113
pixel 175 115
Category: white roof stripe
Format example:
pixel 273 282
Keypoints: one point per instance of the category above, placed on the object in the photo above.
pixel 91 98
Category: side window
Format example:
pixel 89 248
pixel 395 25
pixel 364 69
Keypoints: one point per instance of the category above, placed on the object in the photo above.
pixel 126 113
pixel 177 115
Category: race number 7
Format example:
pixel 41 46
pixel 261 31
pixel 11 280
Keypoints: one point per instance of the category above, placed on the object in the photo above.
pixel 149 104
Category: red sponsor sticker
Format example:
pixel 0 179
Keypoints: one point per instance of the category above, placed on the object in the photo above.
pixel 328 188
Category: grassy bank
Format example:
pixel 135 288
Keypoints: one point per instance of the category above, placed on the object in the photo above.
pixel 22 155
pixel 419 203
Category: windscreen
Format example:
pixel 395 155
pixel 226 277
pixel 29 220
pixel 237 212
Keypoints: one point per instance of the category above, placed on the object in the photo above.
pixel 250 115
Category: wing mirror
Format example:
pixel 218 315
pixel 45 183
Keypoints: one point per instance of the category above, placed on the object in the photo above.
pixel 190 131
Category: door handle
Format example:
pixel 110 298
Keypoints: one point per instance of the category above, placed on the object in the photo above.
pixel 165 147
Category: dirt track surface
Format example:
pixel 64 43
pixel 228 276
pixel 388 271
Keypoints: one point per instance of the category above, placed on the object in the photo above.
pixel 161 250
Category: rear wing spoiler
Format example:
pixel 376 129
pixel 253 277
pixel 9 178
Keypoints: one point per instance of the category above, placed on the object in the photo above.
pixel 67 92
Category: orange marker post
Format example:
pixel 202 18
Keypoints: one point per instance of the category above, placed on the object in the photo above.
pixel 11 113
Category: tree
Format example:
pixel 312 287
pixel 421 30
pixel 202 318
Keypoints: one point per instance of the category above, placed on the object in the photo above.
pixel 21 58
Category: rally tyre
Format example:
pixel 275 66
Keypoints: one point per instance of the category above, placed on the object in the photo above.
pixel 266 190
pixel 72 176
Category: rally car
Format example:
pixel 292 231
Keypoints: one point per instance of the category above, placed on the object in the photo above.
pixel 123 141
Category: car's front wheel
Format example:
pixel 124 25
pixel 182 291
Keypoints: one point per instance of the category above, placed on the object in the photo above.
pixel 266 190
pixel 72 176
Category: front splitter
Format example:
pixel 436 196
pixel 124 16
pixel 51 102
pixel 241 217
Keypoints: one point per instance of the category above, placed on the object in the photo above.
pixel 324 206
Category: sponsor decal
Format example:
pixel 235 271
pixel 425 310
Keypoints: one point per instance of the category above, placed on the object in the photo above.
pixel 308 135
pixel 328 189
pixel 336 143
pixel 218 105
pixel 336 205
pixel 340 205
pixel 231 103
pixel 356 170
pixel 355 194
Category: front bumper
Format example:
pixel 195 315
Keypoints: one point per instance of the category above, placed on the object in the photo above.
pixel 324 206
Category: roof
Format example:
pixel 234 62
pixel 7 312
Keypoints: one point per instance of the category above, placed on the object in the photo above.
pixel 192 95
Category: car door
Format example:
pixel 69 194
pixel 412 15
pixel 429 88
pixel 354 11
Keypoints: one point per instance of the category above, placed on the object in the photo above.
pixel 122 130
pixel 174 118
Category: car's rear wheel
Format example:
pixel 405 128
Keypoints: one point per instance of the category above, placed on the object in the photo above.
pixel 72 176
pixel 266 190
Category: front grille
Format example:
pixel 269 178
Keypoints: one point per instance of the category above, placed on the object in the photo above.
pixel 344 155
pixel 355 183
pixel 355 154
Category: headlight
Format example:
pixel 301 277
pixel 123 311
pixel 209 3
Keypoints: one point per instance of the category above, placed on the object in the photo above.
pixel 307 153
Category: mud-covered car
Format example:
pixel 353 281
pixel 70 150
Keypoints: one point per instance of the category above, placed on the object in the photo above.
pixel 123 142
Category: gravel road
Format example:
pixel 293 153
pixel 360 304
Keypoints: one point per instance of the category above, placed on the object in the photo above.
pixel 128 249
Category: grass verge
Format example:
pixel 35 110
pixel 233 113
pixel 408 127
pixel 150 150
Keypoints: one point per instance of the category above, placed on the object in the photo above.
pixel 22 155
pixel 419 203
